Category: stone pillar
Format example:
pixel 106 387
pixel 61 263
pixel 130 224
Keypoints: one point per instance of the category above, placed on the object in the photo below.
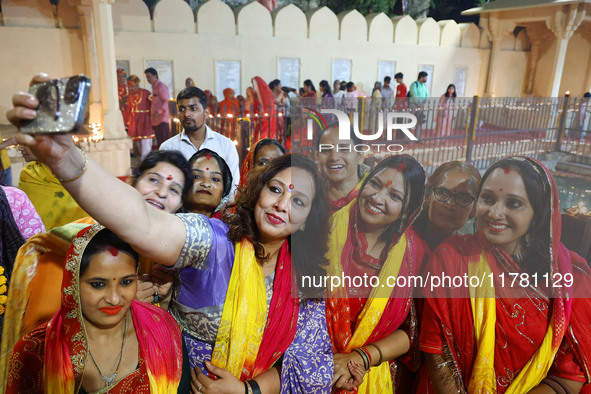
pixel 89 45
pixel 99 46
pixel 563 24
pixel 105 43
pixel 587 78
pixel 538 34
pixel 496 29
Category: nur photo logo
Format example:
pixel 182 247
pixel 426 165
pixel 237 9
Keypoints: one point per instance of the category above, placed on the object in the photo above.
pixel 394 121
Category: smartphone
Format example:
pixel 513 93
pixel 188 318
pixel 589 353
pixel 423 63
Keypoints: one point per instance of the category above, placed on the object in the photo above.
pixel 62 106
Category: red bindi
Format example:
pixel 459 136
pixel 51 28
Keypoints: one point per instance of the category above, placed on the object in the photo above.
pixel 207 169
pixel 500 190
pixel 507 170
pixel 290 187
pixel 114 279
pixel 113 250
pixel 388 183
pixel 169 177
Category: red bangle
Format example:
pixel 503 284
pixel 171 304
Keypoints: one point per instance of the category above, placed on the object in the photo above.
pixel 368 355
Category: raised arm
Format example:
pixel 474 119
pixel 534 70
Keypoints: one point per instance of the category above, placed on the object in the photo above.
pixel 155 234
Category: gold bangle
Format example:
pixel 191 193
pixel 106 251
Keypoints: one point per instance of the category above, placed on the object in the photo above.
pixel 82 171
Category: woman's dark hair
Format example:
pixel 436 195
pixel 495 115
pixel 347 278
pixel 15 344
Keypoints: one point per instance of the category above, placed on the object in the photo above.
pixel 325 87
pixel 451 85
pixel 414 188
pixel 169 156
pixel 310 245
pixel 265 142
pixel 309 84
pixel 539 195
pixel 226 173
pixel 104 240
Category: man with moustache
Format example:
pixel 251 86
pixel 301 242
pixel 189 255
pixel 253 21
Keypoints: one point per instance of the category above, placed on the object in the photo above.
pixel 192 113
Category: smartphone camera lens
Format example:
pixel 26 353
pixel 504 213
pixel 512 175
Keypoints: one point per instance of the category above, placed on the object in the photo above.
pixel 71 94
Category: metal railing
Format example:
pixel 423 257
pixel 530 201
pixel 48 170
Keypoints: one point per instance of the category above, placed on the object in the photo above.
pixel 476 129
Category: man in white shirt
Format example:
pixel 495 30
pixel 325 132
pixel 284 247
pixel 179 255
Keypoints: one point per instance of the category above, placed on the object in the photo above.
pixel 387 93
pixel 192 110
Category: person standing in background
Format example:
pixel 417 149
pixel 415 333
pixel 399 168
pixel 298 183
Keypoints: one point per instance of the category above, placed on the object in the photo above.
pixel 123 93
pixel 140 129
pixel 419 92
pixel 401 88
pixel 386 93
pixel 159 108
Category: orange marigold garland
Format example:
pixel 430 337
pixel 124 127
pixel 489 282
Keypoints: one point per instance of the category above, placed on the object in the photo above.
pixel 2 291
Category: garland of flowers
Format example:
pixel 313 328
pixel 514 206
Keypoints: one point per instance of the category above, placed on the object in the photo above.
pixel 2 291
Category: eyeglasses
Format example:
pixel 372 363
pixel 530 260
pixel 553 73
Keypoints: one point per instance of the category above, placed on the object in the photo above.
pixel 462 199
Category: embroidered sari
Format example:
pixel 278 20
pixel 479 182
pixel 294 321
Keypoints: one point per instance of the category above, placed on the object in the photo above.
pixel 358 316
pixel 512 342
pixel 245 323
pixel 52 357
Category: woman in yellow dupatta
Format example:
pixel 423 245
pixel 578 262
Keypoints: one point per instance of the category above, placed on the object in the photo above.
pixel 526 328
pixel 373 323
pixel 291 339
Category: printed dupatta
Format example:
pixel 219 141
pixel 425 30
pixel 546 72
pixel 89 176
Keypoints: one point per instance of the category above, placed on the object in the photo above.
pixel 386 308
pixel 250 340
pixel 66 345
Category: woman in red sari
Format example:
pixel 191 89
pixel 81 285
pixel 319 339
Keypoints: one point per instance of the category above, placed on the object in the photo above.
pixel 101 339
pixel 530 334
pixel 374 325
pixel 267 127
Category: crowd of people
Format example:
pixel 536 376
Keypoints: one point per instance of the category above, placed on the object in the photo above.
pixel 192 276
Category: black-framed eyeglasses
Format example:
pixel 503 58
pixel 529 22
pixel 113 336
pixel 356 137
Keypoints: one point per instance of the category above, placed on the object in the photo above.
pixel 462 199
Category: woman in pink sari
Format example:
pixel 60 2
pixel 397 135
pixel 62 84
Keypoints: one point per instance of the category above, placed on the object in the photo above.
pixel 101 339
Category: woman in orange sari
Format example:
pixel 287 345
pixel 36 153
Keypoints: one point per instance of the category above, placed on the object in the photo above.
pixel 79 349
pixel 371 324
pixel 526 326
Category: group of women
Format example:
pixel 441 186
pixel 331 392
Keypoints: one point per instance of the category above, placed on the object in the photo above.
pixel 244 318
